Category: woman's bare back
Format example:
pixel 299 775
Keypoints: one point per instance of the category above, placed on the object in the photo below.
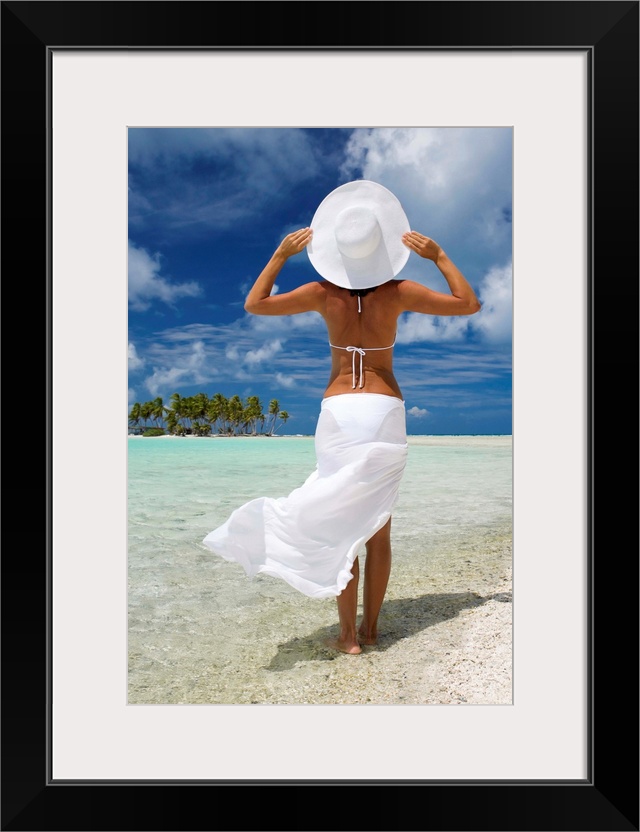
pixel 365 325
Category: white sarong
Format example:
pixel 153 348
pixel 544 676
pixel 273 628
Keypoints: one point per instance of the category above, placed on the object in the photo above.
pixel 311 538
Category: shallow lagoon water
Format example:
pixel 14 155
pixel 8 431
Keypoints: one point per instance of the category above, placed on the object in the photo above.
pixel 201 632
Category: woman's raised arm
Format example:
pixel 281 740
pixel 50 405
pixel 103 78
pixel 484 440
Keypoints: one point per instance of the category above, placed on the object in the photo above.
pixel 305 298
pixel 414 297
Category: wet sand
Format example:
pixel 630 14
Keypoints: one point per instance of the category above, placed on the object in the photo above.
pixel 445 638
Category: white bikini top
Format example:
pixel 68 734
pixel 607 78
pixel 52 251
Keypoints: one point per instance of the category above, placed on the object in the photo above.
pixel 360 350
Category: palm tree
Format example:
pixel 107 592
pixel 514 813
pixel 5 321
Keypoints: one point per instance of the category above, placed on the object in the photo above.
pixel 176 412
pixel 200 405
pixel 190 411
pixel 200 429
pixel 146 412
pixel 284 416
pixel 216 410
pixel 198 409
pixel 274 407
pixel 234 413
pixel 253 413
pixel 172 421
pixel 157 410
pixel 135 415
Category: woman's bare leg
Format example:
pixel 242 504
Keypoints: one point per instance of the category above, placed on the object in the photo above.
pixel 377 568
pixel 347 641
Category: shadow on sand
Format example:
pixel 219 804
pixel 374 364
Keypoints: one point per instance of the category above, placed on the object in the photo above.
pixel 400 618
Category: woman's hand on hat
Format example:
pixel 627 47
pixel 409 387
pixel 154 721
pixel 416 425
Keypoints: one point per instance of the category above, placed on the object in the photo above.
pixel 294 243
pixel 424 246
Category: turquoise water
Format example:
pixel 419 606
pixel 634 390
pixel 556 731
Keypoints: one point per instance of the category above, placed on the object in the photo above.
pixel 189 609
pixel 181 488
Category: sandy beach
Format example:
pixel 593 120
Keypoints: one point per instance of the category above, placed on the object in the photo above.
pixel 445 639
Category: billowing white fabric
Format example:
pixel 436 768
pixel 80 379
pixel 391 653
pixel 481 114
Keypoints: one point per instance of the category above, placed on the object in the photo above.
pixel 311 538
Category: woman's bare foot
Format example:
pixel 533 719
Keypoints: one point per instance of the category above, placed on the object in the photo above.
pixel 351 647
pixel 367 638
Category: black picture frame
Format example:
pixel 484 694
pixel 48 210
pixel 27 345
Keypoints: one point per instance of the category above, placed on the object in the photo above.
pixel 608 798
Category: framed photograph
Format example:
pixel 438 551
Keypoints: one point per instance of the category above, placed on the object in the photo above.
pixel 562 78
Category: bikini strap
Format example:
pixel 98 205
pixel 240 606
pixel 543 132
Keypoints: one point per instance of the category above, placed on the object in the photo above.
pixel 361 293
pixel 361 352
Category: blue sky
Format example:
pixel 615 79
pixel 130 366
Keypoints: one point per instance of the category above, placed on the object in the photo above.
pixel 208 206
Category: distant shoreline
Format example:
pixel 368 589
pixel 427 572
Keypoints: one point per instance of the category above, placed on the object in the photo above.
pixel 410 436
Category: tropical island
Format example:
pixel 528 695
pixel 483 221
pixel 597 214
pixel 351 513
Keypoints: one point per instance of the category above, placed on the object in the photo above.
pixel 201 415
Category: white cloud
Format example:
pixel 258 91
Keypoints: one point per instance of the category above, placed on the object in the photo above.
pixel 495 319
pixel 414 327
pixel 264 353
pixel 238 350
pixel 135 362
pixel 418 412
pixel 187 367
pixel 146 284
pixel 207 178
pixel 193 332
pixel 285 381
pixel 439 171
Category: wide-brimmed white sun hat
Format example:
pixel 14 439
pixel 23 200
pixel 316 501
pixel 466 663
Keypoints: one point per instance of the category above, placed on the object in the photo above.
pixel 357 236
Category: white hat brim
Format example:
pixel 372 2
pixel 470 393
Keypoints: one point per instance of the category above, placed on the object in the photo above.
pixel 385 262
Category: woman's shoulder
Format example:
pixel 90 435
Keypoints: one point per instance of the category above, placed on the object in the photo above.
pixel 313 287
pixel 392 288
